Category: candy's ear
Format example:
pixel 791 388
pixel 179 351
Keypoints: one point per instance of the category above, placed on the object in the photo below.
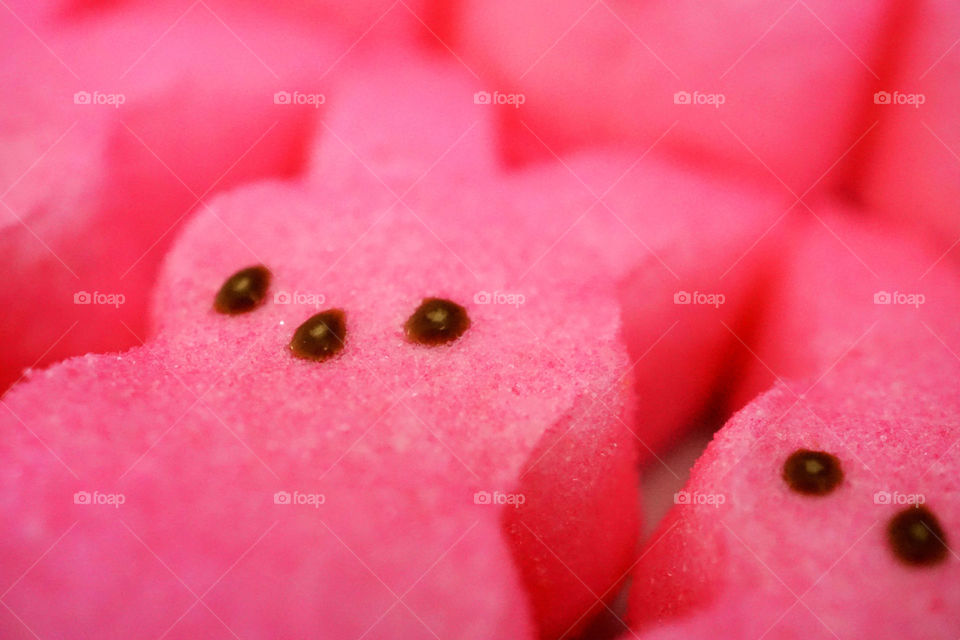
pixel 403 120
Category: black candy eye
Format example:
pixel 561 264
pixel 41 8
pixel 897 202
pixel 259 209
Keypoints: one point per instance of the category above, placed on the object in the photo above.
pixel 243 291
pixel 321 336
pixel 815 473
pixel 437 321
pixel 916 537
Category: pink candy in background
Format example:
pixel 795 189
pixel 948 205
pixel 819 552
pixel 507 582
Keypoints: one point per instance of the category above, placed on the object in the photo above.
pixel 914 176
pixel 767 88
pixel 692 243
pixel 113 134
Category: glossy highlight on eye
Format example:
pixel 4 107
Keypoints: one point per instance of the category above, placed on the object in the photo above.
pixel 814 473
pixel 244 291
pixel 916 537
pixel 437 321
pixel 321 336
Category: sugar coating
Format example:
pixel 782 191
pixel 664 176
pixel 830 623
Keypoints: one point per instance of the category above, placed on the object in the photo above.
pixel 863 381
pixel 658 236
pixel 400 438
pixel 743 564
pixel 520 435
pixel 96 188
pixel 755 79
